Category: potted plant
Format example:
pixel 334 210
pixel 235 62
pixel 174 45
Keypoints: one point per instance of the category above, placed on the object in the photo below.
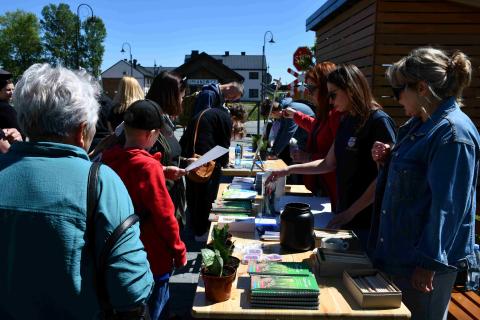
pixel 221 242
pixel 217 278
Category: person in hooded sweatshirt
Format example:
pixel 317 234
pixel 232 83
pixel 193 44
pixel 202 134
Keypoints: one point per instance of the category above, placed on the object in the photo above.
pixel 143 176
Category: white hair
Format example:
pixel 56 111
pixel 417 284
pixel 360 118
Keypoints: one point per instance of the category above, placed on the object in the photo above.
pixel 53 101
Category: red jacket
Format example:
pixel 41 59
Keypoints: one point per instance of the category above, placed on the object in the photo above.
pixel 321 136
pixel 143 176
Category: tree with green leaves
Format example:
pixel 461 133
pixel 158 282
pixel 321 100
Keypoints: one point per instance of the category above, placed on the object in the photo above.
pixel 60 31
pixel 59 26
pixel 92 45
pixel 20 44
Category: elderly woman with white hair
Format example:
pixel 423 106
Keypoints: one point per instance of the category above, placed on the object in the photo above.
pixel 47 269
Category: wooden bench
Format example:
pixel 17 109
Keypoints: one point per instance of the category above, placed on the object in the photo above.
pixel 464 305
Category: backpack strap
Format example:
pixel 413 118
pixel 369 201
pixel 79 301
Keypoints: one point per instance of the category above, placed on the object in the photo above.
pixel 101 266
pixel 196 129
pixel 92 202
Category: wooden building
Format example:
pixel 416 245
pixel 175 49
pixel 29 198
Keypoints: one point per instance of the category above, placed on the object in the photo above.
pixel 202 68
pixel 373 34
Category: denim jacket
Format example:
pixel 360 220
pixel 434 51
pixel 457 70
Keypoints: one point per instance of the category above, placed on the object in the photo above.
pixel 427 217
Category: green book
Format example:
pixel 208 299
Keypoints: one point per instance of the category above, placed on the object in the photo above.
pixel 279 268
pixel 284 306
pixel 283 285
pixel 238 194
pixel 285 300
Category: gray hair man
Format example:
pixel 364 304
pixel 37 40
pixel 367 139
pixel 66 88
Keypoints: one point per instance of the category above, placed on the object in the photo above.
pixel 47 271
pixel 215 95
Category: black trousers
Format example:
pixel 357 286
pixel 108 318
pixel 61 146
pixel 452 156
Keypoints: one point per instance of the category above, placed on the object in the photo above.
pixel 200 197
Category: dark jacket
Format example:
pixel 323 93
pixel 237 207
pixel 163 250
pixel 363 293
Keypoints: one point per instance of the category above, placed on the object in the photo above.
pixel 8 116
pixel 209 97
pixel 215 128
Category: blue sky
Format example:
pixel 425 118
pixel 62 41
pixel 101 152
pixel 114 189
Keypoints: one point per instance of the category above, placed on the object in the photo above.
pixel 166 30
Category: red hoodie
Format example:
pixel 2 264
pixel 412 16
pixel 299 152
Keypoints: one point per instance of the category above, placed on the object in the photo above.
pixel 143 176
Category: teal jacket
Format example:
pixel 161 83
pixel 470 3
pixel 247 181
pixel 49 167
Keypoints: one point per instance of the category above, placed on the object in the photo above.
pixel 46 272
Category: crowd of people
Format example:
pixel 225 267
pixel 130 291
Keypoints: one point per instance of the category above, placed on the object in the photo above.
pixel 408 194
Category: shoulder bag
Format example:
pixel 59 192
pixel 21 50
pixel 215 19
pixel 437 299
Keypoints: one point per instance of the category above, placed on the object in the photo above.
pixel 203 173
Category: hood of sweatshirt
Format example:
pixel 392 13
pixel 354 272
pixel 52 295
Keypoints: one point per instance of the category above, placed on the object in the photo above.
pixel 119 154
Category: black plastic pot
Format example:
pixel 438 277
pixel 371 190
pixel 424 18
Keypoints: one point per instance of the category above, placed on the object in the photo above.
pixel 296 227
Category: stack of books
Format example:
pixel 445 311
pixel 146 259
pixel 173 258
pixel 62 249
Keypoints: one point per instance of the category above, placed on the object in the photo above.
pixel 232 206
pixel 233 209
pixel 245 183
pixel 283 285
pixel 238 194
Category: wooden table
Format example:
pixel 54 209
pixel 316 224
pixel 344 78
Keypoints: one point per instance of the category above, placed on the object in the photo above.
pixel 335 300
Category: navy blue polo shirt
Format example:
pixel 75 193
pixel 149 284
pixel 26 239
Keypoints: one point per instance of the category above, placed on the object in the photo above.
pixel 355 167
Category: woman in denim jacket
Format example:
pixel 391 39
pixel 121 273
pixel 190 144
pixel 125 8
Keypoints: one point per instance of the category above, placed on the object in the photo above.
pixel 426 219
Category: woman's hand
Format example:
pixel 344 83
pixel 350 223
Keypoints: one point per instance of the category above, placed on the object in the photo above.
pixel 288 112
pixel 422 279
pixel 173 173
pixel 300 156
pixel 380 152
pixel 340 219
pixel 189 161
pixel 12 135
pixel 277 174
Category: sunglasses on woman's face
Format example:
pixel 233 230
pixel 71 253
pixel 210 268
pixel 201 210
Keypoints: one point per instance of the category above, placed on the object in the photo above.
pixel 332 95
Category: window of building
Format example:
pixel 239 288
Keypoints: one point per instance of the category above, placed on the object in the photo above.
pixel 253 75
pixel 253 93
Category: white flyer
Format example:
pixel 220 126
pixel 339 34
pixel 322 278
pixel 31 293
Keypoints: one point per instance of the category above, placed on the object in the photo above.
pixel 213 154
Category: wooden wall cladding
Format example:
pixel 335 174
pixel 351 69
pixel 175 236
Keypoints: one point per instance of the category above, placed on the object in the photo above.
pixel 349 37
pixel 403 25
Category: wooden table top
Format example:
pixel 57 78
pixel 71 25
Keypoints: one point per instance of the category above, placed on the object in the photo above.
pixel 335 300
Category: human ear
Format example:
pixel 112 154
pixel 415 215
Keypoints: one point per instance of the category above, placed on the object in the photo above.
pixel 423 89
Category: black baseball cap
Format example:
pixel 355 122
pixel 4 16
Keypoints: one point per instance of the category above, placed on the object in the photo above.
pixel 5 75
pixel 144 114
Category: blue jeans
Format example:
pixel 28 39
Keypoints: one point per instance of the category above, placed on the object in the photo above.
pixel 431 305
pixel 158 302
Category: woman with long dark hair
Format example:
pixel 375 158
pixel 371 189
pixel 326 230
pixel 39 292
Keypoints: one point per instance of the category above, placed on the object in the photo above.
pixel 168 90
pixel 350 154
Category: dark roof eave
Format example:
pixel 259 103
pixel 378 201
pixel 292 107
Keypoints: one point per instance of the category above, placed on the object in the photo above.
pixel 323 12
pixel 331 6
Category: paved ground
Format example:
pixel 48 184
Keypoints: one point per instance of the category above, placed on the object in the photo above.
pixel 184 281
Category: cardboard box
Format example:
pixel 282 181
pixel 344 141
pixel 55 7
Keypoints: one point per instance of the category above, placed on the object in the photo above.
pixel 372 300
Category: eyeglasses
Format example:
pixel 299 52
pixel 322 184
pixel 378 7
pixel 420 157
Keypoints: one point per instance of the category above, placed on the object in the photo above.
pixel 332 94
pixel 398 90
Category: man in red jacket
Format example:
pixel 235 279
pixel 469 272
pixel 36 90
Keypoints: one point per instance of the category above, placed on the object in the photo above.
pixel 142 174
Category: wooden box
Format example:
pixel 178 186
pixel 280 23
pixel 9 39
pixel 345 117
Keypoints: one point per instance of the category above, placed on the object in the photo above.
pixel 372 300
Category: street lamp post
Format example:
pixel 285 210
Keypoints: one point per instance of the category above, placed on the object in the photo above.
pixel 262 96
pixel 78 30
pixel 130 52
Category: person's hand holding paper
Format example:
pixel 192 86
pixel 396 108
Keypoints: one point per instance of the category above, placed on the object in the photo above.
pixel 213 154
